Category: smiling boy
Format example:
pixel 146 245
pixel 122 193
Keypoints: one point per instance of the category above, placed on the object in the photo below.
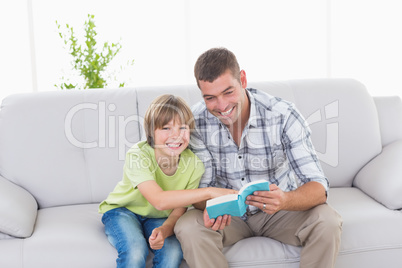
pixel 160 179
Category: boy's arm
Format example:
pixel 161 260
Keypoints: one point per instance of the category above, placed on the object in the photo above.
pixel 200 205
pixel 163 200
pixel 158 236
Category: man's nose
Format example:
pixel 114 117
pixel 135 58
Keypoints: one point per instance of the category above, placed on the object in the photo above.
pixel 221 105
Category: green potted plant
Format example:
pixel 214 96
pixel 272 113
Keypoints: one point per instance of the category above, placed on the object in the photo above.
pixel 89 62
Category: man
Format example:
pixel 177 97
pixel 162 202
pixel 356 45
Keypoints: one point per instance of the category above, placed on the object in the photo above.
pixel 244 135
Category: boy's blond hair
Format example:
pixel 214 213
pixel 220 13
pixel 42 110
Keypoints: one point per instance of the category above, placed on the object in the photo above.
pixel 162 110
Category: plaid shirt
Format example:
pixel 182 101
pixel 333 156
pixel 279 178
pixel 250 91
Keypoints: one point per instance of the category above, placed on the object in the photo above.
pixel 275 145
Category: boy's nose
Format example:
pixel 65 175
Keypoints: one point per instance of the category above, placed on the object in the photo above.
pixel 176 132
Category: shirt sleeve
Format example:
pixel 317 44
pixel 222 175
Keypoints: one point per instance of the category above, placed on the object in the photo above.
pixel 300 150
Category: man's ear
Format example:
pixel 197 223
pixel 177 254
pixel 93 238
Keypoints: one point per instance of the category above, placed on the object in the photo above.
pixel 243 79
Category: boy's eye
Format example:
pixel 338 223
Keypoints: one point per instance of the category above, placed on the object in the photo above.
pixel 229 92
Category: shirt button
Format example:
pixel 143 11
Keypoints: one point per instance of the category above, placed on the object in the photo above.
pixel 240 157
pixel 242 179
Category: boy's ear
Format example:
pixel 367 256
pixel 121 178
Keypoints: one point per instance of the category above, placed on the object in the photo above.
pixel 151 141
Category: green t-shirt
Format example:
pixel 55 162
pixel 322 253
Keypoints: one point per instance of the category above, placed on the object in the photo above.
pixel 140 166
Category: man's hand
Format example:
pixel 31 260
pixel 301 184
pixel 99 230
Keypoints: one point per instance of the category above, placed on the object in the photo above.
pixel 157 238
pixel 268 201
pixel 305 197
pixel 216 224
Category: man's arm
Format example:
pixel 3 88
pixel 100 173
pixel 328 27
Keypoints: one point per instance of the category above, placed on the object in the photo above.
pixel 305 197
pixel 304 163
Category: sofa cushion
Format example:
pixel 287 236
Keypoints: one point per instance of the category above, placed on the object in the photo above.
pixel 73 142
pixel 69 236
pixel 371 235
pixel 381 178
pixel 191 94
pixel 389 111
pixel 11 253
pixel 343 119
pixel 18 211
pixel 262 252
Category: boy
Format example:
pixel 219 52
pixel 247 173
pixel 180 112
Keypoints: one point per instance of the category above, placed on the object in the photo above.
pixel 160 179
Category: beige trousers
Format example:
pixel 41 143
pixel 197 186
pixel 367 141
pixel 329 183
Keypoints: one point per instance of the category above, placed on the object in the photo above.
pixel 317 230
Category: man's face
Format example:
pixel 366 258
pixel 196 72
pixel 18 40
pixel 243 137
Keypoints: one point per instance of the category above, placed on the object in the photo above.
pixel 225 97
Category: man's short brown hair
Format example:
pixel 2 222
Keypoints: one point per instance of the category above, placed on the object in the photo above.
pixel 162 110
pixel 215 62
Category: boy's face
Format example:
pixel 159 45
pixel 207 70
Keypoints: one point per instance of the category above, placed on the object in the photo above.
pixel 172 139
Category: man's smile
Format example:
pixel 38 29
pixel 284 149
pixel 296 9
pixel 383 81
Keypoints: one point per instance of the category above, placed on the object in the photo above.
pixel 227 112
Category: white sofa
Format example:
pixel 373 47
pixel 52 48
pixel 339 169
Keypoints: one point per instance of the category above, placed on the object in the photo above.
pixel 61 153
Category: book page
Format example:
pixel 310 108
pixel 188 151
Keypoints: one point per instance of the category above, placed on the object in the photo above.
pixel 250 188
pixel 244 188
pixel 222 199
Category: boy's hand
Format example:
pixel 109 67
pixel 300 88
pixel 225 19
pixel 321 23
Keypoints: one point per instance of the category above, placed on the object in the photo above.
pixel 157 238
pixel 216 192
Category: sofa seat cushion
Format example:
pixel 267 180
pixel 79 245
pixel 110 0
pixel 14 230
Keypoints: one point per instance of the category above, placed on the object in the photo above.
pixel 79 231
pixel 11 253
pixel 262 252
pixel 369 230
pixel 69 236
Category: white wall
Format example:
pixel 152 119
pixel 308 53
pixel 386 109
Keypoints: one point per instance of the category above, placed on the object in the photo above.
pixel 367 43
pixel 273 40
pixel 15 61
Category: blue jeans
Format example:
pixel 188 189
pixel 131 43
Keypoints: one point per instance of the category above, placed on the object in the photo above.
pixel 129 234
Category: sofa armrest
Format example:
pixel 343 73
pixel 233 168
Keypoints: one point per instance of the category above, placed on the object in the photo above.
pixel 381 178
pixel 18 210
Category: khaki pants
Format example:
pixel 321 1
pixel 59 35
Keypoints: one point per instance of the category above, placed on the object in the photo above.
pixel 317 230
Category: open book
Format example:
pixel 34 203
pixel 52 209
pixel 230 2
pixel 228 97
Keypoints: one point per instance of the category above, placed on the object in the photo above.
pixel 234 204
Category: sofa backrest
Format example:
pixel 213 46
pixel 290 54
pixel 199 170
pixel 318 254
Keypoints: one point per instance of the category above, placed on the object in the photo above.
pixel 389 113
pixel 343 119
pixel 68 147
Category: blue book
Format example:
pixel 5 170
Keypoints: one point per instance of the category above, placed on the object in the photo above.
pixel 234 204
